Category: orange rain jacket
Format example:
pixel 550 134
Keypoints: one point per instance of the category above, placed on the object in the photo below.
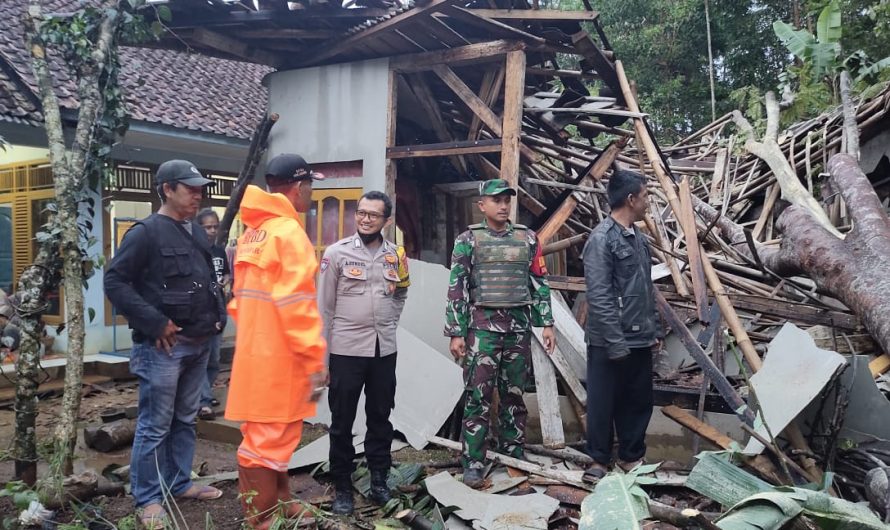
pixel 279 341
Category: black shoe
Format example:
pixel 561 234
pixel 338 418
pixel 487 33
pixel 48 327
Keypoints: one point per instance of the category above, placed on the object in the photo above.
pixel 473 477
pixel 379 490
pixel 343 504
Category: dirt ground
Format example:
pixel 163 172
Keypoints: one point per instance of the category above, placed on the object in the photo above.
pixel 211 458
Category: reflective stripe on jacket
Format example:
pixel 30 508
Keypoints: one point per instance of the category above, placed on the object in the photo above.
pixel 279 331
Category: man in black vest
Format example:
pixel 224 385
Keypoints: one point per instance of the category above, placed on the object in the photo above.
pixel 162 280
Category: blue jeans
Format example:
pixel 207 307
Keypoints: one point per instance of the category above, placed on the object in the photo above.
pixel 169 394
pixel 212 370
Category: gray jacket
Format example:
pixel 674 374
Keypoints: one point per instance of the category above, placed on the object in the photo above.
pixel 621 312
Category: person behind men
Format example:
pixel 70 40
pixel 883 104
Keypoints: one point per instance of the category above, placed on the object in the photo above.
pixel 498 290
pixel 622 328
pixel 362 290
pixel 209 221
pixel 161 279
pixel 278 372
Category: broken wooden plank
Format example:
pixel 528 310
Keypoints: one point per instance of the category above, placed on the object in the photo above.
pixel 759 463
pixel 710 370
pixel 572 478
pixel 548 397
pixel 444 149
pixel 471 53
pixel 693 251
pixel 879 365
pixel 492 82
pixel 597 169
pixel 565 371
pixel 426 99
pixel 563 244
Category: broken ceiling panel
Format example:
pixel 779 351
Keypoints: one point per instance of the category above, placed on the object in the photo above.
pixel 794 372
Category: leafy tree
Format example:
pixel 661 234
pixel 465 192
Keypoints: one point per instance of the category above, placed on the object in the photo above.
pixel 663 44
pixel 85 42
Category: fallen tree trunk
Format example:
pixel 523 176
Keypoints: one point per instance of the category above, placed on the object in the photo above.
pixel 854 270
pixel 110 436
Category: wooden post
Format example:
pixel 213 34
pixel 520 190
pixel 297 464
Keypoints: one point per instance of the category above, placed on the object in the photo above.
pixel 389 186
pixel 514 92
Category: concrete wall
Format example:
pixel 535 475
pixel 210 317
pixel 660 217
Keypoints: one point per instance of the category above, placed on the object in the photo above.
pixel 332 114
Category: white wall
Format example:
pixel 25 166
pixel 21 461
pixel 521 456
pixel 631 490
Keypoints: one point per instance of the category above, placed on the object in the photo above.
pixel 20 153
pixel 333 113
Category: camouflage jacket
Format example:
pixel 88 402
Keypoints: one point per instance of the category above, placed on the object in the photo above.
pixel 460 314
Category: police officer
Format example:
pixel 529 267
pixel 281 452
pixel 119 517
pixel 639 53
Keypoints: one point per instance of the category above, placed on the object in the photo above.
pixel 362 289
pixel 161 279
pixel 498 290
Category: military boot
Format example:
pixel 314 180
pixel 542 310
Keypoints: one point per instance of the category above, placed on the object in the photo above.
pixel 343 503
pixel 379 489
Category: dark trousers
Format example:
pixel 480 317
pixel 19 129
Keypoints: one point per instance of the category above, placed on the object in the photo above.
pixel 619 401
pixel 348 376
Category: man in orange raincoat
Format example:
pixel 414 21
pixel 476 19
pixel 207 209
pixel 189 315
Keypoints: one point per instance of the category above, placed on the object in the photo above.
pixel 278 372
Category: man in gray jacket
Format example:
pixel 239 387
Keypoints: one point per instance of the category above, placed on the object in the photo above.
pixel 623 327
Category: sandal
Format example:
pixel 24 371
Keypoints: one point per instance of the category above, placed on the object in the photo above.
pixel 595 472
pixel 153 517
pixel 201 493
pixel 206 414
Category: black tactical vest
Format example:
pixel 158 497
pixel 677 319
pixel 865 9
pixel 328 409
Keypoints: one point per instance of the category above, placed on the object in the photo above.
pixel 189 294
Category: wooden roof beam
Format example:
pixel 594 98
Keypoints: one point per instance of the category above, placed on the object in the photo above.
pixel 337 46
pixel 536 14
pixel 288 33
pixel 235 47
pixel 471 53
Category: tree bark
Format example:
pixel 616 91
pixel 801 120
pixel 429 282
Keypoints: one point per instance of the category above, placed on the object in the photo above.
pixel 29 302
pixel 854 269
pixel 69 166
pixel 69 186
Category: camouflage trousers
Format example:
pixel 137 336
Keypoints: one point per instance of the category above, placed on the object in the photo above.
pixel 502 361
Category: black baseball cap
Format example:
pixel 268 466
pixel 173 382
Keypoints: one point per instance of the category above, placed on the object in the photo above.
pixel 288 168
pixel 181 171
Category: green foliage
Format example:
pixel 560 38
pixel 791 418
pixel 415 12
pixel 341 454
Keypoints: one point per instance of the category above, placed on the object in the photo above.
pixel 618 502
pixel 20 493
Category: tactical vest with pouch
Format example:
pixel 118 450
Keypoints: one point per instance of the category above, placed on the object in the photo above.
pixel 500 268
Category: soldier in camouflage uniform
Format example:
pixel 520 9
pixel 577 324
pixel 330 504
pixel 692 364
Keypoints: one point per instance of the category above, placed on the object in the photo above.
pixel 498 290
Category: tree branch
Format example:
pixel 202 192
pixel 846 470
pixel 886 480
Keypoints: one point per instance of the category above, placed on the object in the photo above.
pixel 770 152
pixel 851 128
pixel 772 118
pixel 871 225
pixel 90 92
pixel 52 116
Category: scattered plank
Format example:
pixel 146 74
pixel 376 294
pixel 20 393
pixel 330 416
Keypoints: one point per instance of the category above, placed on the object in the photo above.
pixel 548 397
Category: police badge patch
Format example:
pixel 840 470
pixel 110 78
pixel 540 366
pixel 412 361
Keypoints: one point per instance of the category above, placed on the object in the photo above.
pixel 324 264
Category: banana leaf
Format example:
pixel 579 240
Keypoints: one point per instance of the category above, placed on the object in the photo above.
pixel 798 41
pixel 763 511
pixel 617 503
pixel 828 25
